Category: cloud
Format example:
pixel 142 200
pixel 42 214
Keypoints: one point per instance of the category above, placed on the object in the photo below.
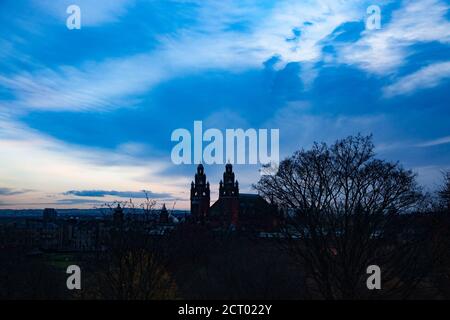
pixel 229 36
pixel 77 201
pixel 383 51
pixel 210 43
pixel 428 77
pixel 435 142
pixel 49 166
pixel 12 192
pixel 122 194
pixel 292 31
pixel 92 86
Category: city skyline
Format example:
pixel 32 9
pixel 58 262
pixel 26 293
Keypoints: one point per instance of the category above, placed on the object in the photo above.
pixel 86 115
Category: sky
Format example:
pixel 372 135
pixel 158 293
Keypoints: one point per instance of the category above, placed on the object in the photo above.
pixel 86 115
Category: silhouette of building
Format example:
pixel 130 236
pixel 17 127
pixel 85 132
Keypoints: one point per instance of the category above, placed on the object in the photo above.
pixel 200 195
pixel 233 210
pixel 226 208
pixel 49 214
pixel 164 215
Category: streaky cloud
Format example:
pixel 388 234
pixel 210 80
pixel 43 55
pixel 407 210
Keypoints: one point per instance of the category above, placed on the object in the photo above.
pixel 121 194
pixel 426 78
pixel 435 142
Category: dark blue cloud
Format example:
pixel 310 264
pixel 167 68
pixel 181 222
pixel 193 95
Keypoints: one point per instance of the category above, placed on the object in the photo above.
pixel 11 192
pixel 77 201
pixel 121 194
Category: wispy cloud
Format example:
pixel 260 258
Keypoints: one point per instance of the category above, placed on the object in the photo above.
pixel 212 43
pixel 383 51
pixel 428 77
pixel 93 86
pixel 435 142
pixel 221 37
pixel 122 194
pixel 49 166
pixel 209 44
pixel 77 202
pixel 12 192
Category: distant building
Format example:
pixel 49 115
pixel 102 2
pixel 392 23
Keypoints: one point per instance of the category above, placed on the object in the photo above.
pixel 49 214
pixel 233 210
pixel 164 215
pixel 45 233
pixel 200 195
pixel 226 209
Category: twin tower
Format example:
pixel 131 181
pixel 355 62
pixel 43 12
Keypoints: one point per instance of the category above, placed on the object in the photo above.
pixel 227 205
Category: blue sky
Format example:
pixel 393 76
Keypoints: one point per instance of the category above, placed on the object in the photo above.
pixel 86 115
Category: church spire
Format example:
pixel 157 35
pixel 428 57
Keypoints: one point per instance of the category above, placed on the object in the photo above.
pixel 164 214
pixel 230 187
pixel 200 194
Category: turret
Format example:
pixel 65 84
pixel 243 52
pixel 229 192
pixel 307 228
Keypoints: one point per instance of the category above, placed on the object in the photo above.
pixel 200 195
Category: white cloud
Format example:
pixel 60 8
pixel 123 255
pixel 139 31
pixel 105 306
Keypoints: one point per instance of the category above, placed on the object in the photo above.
pixel 91 86
pixel 435 142
pixel 383 51
pixel 428 77
pixel 33 160
pixel 48 166
pixel 315 20
pixel 209 44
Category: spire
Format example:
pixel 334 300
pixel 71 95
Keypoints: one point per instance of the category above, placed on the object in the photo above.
pixel 229 188
pixel 200 195
pixel 164 214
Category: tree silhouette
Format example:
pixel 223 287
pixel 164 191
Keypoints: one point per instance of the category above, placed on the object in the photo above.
pixel 444 193
pixel 133 265
pixel 347 210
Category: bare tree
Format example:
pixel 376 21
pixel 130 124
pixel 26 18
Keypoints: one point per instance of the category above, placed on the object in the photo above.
pixel 444 193
pixel 130 271
pixel 346 211
pixel 134 264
